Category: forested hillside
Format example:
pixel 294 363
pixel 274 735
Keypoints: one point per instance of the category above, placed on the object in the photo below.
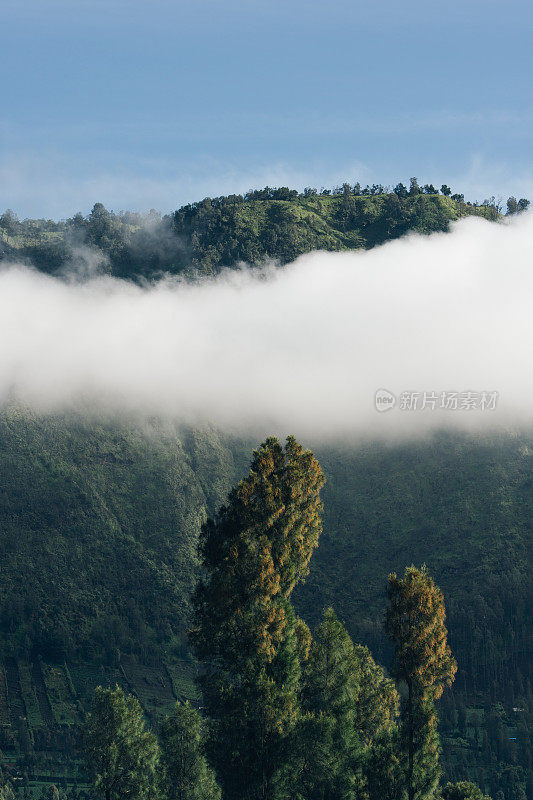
pixel 204 237
pixel 463 506
pixel 99 523
pixel 100 517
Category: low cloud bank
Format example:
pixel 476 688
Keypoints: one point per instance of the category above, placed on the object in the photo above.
pixel 303 348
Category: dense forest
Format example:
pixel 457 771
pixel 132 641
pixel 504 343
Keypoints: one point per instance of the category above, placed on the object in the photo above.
pixel 100 518
pixel 287 712
pixel 202 238
pixel 100 522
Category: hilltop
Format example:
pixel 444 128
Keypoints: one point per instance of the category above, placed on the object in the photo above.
pixel 204 237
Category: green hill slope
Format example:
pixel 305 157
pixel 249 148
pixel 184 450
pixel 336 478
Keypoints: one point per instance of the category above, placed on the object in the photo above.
pixel 99 519
pixel 99 523
pixel 220 232
pixel 461 504
pixel 98 527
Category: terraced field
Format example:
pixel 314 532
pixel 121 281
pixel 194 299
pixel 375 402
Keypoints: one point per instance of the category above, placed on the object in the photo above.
pixel 182 674
pixel 151 685
pixel 43 705
pixel 85 678
pixel 43 700
pixel 17 706
pixel 61 696
pixel 29 694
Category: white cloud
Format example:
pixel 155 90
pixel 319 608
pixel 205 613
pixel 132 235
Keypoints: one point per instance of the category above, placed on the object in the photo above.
pixel 301 349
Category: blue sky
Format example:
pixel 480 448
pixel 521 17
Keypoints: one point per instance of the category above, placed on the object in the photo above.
pixel 158 103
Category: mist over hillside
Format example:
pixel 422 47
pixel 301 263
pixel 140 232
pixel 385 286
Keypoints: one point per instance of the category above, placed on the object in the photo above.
pixel 266 454
pixel 440 323
pixel 136 376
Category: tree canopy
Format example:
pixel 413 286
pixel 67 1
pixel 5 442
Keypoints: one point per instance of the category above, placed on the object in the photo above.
pixel 122 755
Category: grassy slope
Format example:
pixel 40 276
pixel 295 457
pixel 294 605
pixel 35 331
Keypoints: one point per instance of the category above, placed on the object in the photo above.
pixel 361 221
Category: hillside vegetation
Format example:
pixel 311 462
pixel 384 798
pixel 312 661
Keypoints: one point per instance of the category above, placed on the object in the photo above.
pixel 99 517
pixel 98 533
pixel 99 523
pixel 204 237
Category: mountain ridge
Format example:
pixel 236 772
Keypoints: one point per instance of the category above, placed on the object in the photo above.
pixel 205 237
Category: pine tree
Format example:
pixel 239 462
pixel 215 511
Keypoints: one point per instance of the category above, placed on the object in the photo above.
pixel 377 699
pixel 245 631
pixel 415 623
pixel 349 704
pixel 384 775
pixel 331 749
pixel 121 754
pixel 185 774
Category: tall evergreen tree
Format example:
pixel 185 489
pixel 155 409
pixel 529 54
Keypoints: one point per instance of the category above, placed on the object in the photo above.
pixel 245 631
pixel 121 754
pixel 185 774
pixel 415 623
pixel 384 774
pixel 349 704
pixel 330 763
pixel 377 703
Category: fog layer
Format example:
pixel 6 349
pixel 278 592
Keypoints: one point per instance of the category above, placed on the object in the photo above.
pixel 302 348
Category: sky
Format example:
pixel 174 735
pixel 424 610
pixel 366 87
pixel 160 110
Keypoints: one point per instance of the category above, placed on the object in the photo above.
pixel 155 104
